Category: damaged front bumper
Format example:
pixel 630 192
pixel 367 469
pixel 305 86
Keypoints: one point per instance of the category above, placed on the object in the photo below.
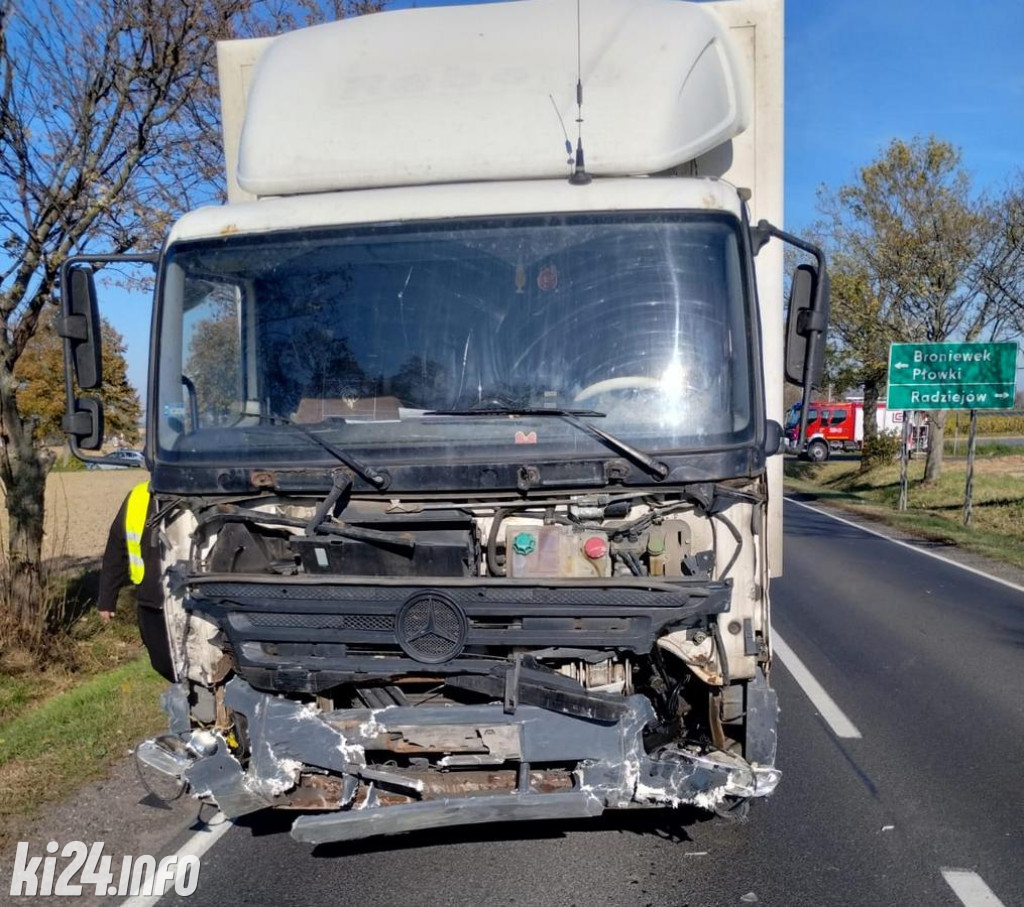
pixel 364 772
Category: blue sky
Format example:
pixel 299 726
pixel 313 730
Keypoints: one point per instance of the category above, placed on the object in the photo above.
pixel 861 72
pixel 858 73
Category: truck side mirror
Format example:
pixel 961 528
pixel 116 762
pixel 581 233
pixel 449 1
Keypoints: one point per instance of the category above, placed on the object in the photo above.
pixel 805 319
pixel 85 423
pixel 80 327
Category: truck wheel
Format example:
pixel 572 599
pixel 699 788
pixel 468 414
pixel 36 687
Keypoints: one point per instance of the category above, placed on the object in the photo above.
pixel 817 451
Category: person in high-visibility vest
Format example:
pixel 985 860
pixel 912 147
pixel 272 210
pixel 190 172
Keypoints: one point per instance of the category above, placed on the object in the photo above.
pixel 133 555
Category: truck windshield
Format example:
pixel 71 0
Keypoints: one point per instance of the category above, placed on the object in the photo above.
pixel 369 335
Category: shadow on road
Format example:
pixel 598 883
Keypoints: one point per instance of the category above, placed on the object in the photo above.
pixel 669 824
pixel 813 528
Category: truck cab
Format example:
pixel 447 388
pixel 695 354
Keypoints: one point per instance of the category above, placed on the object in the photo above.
pixel 462 429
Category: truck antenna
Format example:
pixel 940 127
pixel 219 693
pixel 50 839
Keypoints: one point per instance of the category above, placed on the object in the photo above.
pixel 579 177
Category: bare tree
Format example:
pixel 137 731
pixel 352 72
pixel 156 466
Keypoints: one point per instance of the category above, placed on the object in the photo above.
pixel 109 129
pixel 1001 267
pixel 909 236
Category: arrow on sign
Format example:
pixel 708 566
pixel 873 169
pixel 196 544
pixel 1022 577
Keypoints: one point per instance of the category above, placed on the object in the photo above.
pixel 901 365
pixel 1000 396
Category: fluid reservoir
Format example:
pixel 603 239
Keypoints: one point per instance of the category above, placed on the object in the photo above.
pixel 555 551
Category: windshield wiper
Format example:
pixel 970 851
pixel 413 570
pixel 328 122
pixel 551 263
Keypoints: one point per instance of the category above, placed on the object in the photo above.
pixel 575 418
pixel 379 480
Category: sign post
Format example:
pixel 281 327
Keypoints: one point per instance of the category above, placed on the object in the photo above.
pixel 931 376
pixel 904 458
pixel 972 436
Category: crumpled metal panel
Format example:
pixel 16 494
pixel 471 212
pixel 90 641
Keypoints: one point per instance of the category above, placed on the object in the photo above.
pixel 391 820
pixel 613 770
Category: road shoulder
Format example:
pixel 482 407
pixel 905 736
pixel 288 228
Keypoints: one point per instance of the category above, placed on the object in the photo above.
pixel 115 811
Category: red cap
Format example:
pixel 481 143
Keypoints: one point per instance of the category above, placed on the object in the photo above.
pixel 595 547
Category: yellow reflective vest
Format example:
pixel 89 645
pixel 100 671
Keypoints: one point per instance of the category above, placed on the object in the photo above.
pixel 134 523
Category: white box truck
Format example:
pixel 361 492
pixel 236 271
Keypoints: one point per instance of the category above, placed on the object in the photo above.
pixel 463 414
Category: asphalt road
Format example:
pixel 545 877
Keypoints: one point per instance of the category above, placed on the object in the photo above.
pixel 927 662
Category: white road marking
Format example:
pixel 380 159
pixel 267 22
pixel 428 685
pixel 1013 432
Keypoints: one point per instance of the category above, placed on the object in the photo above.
pixel 825 704
pixel 195 846
pixel 924 551
pixel 970 888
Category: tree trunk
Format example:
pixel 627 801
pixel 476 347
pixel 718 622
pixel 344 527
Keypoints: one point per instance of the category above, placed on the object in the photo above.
pixel 936 437
pixel 24 478
pixel 871 395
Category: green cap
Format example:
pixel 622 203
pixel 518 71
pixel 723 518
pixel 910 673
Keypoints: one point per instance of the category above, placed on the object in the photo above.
pixel 524 543
pixel 656 545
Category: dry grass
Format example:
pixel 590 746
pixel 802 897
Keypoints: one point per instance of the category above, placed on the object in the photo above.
pixel 67 710
pixel 88 648
pixel 79 509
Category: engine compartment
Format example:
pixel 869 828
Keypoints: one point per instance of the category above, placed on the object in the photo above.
pixel 608 650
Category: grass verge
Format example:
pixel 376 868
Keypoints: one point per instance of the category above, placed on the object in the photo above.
pixel 49 751
pixel 985 449
pixel 934 509
pixel 87 649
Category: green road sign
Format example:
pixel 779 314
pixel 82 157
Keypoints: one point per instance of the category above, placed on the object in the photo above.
pixel 952 375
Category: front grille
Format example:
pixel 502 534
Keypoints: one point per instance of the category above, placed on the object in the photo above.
pixel 373 622
pixel 320 635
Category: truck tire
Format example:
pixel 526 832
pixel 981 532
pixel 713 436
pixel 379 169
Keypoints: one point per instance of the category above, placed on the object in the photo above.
pixel 817 451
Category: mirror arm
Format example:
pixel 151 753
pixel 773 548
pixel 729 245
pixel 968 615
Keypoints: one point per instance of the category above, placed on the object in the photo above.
pixel 814 322
pixel 766 230
pixel 73 327
pixel 77 424
pixel 814 325
pixel 84 426
pixel 814 337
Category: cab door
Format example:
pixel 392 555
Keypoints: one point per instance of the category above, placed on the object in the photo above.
pixel 839 425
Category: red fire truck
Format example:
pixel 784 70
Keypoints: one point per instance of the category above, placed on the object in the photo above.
pixel 837 425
